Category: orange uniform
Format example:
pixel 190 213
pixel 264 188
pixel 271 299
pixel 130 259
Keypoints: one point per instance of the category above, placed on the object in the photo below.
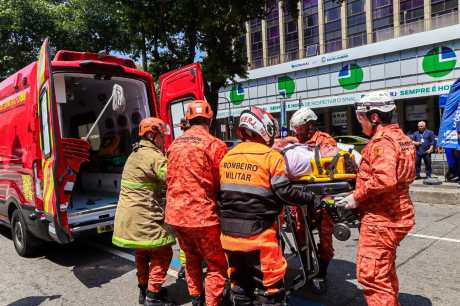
pixel 325 247
pixel 192 186
pixel 252 183
pixel 382 190
pixel 151 266
pixel 322 139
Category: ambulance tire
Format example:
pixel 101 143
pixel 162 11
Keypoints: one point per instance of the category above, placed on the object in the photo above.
pixel 24 242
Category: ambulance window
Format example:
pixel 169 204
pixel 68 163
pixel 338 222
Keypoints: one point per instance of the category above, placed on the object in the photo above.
pixel 177 111
pixel 46 139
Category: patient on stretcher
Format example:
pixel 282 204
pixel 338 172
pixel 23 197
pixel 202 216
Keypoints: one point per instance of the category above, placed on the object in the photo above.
pixel 319 165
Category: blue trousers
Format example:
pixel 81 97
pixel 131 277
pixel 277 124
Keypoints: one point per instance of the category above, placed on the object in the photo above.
pixel 418 164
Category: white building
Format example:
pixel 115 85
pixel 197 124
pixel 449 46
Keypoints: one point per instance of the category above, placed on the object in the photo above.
pixel 409 48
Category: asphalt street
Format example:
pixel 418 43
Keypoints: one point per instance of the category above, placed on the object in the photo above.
pixel 92 272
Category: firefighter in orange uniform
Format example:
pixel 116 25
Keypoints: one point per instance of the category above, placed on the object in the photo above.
pixel 191 209
pixel 253 184
pixel 303 123
pixel 382 195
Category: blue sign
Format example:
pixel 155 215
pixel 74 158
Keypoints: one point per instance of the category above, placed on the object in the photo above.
pixel 450 123
pixel 442 101
pixel 284 132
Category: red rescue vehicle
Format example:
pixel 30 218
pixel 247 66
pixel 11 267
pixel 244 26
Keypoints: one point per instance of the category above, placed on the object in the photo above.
pixel 62 150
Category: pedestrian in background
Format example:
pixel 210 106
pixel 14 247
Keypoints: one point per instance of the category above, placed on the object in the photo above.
pixel 423 139
pixel 139 219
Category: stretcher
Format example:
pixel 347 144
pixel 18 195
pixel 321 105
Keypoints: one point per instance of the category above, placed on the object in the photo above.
pixel 333 176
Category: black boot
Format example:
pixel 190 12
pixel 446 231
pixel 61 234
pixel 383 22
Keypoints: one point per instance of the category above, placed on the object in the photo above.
pixel 157 299
pixel 264 299
pixel 198 300
pixel 318 284
pixel 142 293
pixel 181 273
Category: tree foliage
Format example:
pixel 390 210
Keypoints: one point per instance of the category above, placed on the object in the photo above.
pixel 73 24
pixel 161 34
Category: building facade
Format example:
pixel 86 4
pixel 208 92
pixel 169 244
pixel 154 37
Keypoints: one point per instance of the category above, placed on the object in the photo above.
pixel 335 52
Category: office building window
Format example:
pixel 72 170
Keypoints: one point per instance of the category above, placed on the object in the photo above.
pixel 440 7
pixel 411 10
pixel 273 33
pixel 444 13
pixel 291 36
pixel 411 14
pixel 256 43
pixel 382 19
pixel 332 26
pixel 310 27
pixel 356 23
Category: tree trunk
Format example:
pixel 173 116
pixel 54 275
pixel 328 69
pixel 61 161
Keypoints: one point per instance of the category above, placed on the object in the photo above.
pixel 144 52
pixel 212 96
pixel 192 41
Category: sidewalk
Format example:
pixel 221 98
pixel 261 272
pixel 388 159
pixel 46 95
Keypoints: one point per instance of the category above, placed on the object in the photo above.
pixel 445 194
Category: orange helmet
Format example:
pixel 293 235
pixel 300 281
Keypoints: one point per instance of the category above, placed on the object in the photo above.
pixel 154 125
pixel 198 108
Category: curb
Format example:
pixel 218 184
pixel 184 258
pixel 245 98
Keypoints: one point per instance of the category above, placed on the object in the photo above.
pixel 437 196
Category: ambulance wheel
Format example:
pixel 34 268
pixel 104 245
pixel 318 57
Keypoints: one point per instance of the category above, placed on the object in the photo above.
pixel 24 243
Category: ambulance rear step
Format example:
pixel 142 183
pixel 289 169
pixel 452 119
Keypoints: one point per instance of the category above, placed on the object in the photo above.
pixel 93 218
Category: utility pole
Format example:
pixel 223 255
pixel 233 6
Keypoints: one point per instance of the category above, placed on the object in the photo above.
pixel 229 117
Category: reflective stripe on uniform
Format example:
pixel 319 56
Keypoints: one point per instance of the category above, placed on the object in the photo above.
pixel 279 180
pixel 182 259
pixel 260 191
pixel 149 244
pixel 162 173
pixel 137 185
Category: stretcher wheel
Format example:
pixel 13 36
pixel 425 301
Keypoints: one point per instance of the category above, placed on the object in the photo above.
pixel 341 231
pixel 318 286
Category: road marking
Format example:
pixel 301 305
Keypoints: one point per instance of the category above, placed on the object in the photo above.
pixel 434 238
pixel 124 255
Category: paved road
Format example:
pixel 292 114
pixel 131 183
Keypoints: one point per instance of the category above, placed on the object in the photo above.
pixel 82 274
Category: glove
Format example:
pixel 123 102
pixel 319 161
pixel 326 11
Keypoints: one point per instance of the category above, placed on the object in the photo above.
pixel 348 202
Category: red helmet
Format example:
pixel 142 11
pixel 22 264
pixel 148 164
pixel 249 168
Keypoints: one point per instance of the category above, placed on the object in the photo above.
pixel 257 121
pixel 154 125
pixel 198 108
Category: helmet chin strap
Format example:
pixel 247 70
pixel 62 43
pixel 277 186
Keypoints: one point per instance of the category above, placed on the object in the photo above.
pixel 307 135
pixel 311 131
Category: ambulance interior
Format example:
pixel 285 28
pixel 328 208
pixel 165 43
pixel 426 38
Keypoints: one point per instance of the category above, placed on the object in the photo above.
pixel 80 99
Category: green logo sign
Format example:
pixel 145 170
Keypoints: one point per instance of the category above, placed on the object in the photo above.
pixel 286 86
pixel 351 76
pixel 439 62
pixel 237 94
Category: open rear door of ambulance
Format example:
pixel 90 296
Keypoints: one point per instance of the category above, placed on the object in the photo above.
pixel 178 88
pixel 49 144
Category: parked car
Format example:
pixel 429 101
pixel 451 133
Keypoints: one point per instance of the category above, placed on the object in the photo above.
pixel 357 141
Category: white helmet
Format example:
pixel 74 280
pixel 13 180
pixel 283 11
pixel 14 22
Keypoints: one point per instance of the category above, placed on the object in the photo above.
pixel 378 100
pixel 301 117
